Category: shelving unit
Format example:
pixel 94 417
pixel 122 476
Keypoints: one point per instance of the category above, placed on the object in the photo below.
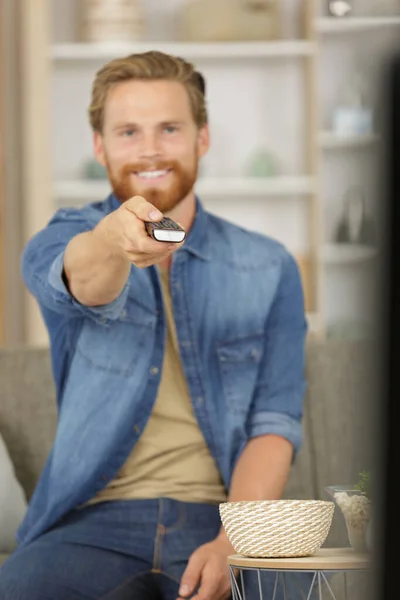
pixel 305 187
pixel 350 269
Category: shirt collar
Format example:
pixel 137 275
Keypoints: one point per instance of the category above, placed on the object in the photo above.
pixel 197 241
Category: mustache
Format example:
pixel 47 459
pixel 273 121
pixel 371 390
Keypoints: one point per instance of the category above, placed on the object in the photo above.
pixel 145 166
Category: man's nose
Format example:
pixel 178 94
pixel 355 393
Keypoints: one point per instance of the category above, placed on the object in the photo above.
pixel 150 146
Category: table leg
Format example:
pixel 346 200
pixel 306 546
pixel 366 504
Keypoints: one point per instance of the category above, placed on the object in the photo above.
pixel 284 586
pixel 319 586
pixel 328 586
pixel 259 584
pixel 311 586
pixel 242 582
pixel 235 588
pixel 276 585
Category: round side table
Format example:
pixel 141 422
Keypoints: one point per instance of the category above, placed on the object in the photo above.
pixel 325 560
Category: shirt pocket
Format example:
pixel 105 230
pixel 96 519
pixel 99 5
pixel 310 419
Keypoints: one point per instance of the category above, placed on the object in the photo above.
pixel 239 362
pixel 115 345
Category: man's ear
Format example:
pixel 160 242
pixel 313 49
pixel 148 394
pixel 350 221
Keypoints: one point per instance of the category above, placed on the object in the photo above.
pixel 203 141
pixel 98 148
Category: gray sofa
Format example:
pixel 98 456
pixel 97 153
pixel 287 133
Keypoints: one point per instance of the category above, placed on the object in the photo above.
pixel 337 421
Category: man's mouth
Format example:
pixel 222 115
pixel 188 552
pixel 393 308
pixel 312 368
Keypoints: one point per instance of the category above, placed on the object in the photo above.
pixel 152 175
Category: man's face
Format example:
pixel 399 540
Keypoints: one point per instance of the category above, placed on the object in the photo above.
pixel 150 143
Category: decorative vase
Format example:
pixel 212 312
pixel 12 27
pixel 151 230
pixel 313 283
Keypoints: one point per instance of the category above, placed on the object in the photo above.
pixel 94 170
pixel 355 226
pixel 353 114
pixel 112 20
pixel 340 8
pixel 356 510
pixel 262 164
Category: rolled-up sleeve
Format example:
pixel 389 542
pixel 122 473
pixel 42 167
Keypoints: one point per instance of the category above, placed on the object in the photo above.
pixel 42 265
pixel 277 405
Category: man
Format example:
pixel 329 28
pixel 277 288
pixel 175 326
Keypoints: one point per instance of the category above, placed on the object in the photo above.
pixel 178 367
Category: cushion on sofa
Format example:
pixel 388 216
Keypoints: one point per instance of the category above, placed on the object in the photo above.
pixel 13 502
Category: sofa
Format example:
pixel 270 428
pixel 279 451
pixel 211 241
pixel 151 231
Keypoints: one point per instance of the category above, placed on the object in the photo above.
pixel 338 425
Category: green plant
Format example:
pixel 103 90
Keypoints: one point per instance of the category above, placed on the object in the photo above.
pixel 364 483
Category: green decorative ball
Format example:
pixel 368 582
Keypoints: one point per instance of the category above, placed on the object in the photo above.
pixel 94 170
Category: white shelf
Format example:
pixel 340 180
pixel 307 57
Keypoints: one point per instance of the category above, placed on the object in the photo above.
pixel 189 50
pixel 332 140
pixel 354 24
pixel 89 191
pixel 86 191
pixel 335 254
pixel 257 186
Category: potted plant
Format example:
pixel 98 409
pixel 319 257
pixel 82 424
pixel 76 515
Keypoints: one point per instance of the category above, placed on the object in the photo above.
pixel 354 502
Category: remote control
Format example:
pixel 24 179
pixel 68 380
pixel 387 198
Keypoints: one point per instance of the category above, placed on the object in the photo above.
pixel 165 230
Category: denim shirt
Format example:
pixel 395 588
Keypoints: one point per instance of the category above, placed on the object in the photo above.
pixel 239 311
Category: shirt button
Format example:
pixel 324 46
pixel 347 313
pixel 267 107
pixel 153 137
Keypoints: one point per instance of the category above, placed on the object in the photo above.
pixel 104 477
pixel 200 400
pixel 103 320
pixel 154 370
pixel 124 313
pixel 136 429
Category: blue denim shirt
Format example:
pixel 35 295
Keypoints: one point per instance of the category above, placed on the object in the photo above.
pixel 239 312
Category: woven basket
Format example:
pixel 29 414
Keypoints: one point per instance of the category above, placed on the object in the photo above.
pixel 277 528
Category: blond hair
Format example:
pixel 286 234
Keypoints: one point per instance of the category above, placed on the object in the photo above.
pixel 148 65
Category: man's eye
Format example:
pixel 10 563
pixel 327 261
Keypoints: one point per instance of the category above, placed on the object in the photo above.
pixel 170 129
pixel 128 132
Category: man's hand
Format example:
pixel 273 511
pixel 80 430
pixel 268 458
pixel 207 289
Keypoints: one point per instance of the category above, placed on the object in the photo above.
pixel 124 233
pixel 208 566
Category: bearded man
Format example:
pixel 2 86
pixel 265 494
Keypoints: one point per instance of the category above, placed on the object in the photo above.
pixel 178 368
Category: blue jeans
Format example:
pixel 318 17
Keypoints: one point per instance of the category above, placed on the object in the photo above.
pixel 121 550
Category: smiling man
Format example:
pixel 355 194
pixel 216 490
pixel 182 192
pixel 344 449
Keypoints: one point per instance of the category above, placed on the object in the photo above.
pixel 179 368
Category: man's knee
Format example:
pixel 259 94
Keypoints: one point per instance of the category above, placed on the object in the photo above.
pixel 29 574
pixel 15 584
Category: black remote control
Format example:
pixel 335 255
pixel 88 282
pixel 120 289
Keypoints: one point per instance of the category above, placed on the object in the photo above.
pixel 165 230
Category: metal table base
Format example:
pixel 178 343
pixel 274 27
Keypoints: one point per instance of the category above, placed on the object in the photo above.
pixel 325 562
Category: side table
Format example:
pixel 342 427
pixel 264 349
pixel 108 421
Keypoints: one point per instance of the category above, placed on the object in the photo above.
pixel 325 560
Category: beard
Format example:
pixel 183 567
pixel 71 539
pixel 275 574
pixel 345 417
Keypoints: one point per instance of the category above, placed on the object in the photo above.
pixel 125 184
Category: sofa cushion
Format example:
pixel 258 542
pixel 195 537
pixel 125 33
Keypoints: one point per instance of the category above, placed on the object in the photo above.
pixel 28 411
pixel 12 501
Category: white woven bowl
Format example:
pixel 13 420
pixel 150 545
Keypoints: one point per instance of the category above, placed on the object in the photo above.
pixel 277 528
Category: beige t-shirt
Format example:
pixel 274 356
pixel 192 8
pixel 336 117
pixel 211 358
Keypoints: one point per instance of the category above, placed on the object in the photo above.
pixel 171 458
